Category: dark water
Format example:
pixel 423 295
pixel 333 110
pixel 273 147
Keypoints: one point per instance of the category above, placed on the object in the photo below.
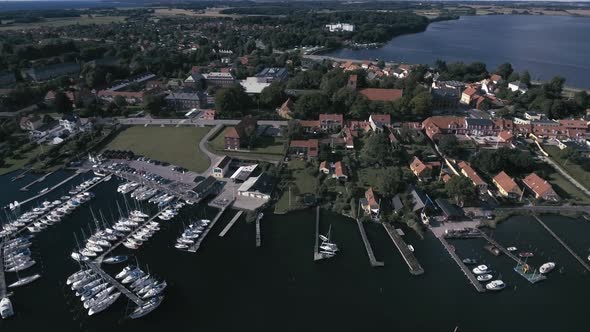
pixel 230 285
pixel 544 45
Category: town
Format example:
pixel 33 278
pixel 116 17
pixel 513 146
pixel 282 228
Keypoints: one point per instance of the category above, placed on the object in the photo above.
pixel 239 109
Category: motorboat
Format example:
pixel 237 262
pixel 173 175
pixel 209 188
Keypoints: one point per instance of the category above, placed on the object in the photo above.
pixel 481 269
pixel 94 291
pixel 469 261
pixel 496 285
pixel 155 290
pixel 484 277
pixel 132 276
pixel 147 307
pixel 511 249
pixel 77 276
pixel 124 272
pixel 78 257
pixel 411 247
pixel 24 281
pixel 139 281
pixel 101 295
pixel 181 246
pixel 6 309
pixel 115 259
pixel 525 254
pixel 547 267
pixel 22 266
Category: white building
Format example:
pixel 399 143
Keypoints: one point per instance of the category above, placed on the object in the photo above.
pixel 339 27
pixel 254 85
pixel 518 86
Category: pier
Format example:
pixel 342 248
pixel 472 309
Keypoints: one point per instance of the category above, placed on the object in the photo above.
pixel 578 258
pixel 316 249
pixel 231 223
pixel 472 279
pixel 197 245
pixel 99 259
pixel 374 262
pixel 39 180
pixel 502 249
pixel 407 254
pixel 2 277
pixel 94 267
pixel 52 188
pixel 258 237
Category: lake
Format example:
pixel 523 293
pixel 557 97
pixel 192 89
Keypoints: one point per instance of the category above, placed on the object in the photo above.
pixel 546 46
pixel 230 285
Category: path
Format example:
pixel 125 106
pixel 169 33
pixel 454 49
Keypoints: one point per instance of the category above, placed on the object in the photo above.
pixel 413 264
pixel 203 146
pixel 548 208
pixel 2 277
pixel 374 262
pixel 565 174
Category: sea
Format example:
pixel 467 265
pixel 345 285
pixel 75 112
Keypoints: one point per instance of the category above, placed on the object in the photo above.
pixel 546 46
pixel 231 285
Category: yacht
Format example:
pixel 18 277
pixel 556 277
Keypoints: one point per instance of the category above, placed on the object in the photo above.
pixel 124 272
pixel 25 281
pixel 181 246
pixel 155 290
pixel 77 276
pixel 90 302
pixel 147 307
pixel 323 238
pixel 23 266
pixel 115 259
pixel 6 309
pixel 102 305
pixel 94 291
pixel 496 285
pixel 469 261
pixel 484 277
pixel 525 254
pixel 411 247
pixel 481 269
pixel 132 276
pixel 139 281
pixel 78 257
pixel 547 267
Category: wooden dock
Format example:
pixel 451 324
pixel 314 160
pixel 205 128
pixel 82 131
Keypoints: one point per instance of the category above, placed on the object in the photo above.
pixel 502 249
pixel 52 188
pixel 258 236
pixel 578 258
pixel 472 279
pixel 374 262
pixel 39 180
pixel 132 296
pixel 197 244
pixel 100 258
pixel 231 223
pixel 402 247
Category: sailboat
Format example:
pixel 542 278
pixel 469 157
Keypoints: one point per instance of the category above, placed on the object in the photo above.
pixel 24 281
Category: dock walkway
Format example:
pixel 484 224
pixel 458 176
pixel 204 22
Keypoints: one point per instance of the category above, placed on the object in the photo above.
pixel 374 262
pixel 40 179
pixel 99 259
pixel 94 267
pixel 578 258
pixel 50 189
pixel 197 244
pixel 316 249
pixel 472 279
pixel 411 260
pixel 231 223
pixel 502 249
pixel 3 288
pixel 258 236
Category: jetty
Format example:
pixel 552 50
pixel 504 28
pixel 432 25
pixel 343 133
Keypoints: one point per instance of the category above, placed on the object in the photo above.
pixel 2 277
pixel 39 180
pixel 316 249
pixel 133 297
pixel 100 258
pixel 502 249
pixel 231 223
pixel 578 258
pixel 197 244
pixel 470 276
pixel 258 237
pixel 402 247
pixel 53 188
pixel 374 262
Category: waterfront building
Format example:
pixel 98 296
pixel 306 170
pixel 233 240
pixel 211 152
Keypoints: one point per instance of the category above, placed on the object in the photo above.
pixel 540 188
pixel 507 187
pixel 239 136
pixel 221 167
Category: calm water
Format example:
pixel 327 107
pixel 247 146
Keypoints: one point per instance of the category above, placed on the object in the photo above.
pixel 544 45
pixel 230 285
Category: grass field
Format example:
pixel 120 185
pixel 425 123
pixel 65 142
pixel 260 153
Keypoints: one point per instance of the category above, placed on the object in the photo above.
pixel 178 146
pixel 267 148
pixel 575 170
pixel 300 181
pixel 63 21
pixel 14 164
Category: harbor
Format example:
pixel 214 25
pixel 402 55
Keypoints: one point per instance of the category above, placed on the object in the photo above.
pixel 409 257
pixel 374 262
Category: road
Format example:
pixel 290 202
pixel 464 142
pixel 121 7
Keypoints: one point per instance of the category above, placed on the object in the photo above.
pixel 538 208
pixel 565 174
pixel 332 58
pixel 197 122
pixel 213 158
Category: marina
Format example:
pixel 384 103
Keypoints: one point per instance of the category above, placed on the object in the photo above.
pixel 466 271
pixel 50 189
pixel 38 180
pixel 231 223
pixel 130 295
pixel 402 247
pixel 197 244
pixel 374 262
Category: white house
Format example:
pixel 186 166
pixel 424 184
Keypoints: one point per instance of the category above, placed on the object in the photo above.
pixel 254 85
pixel 518 86
pixel 338 27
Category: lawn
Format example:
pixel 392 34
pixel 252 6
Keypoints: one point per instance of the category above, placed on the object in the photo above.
pixel 575 170
pixel 14 164
pixel 300 182
pixel 267 148
pixel 178 146
pixel 64 21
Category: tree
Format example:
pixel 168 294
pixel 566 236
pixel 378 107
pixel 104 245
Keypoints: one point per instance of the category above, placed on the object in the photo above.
pixel 230 100
pixel 293 129
pixel 391 182
pixel 421 104
pixel 449 145
pixel 273 95
pixel 153 104
pixel 554 88
pixel 525 78
pixel 461 189
pixel 311 105
pixel 120 101
pixel 376 149
pixel 62 103
pixel 581 100
pixel 504 70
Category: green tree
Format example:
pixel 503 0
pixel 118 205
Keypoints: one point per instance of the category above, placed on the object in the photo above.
pixel 554 88
pixel 504 70
pixel 62 103
pixel 231 100
pixel 120 101
pixel 449 145
pixel 376 149
pixel 311 105
pixel 273 95
pixel 421 104
pixel 525 78
pixel 461 189
pixel 153 104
